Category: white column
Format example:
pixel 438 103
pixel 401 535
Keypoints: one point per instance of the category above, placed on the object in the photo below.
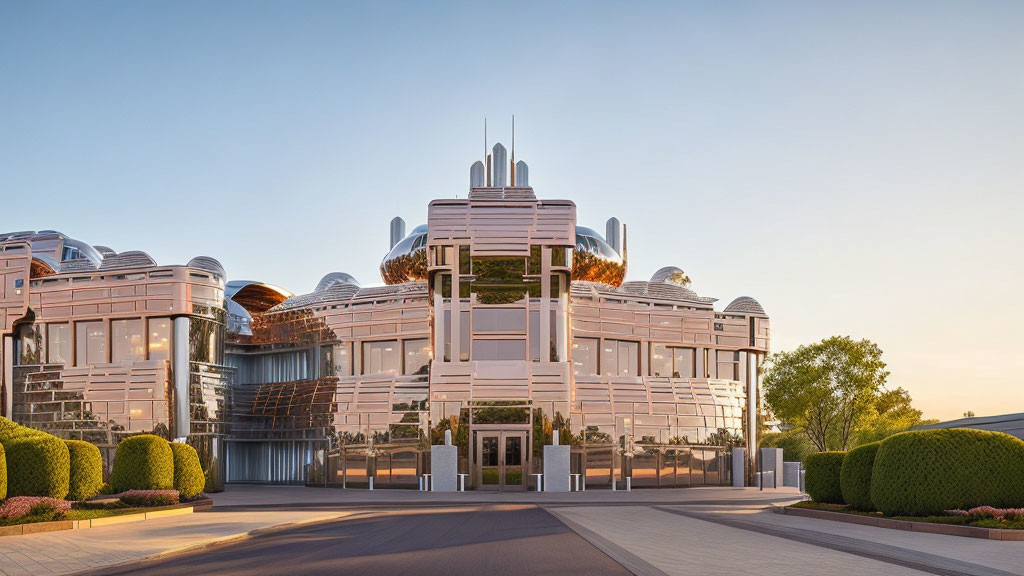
pixel 752 388
pixel 180 367
pixel 438 326
pixel 545 304
pixel 456 314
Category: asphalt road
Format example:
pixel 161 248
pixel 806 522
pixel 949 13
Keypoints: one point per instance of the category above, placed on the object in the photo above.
pixel 489 540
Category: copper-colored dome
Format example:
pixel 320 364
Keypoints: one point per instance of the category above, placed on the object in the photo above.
pixel 594 260
pixel 407 261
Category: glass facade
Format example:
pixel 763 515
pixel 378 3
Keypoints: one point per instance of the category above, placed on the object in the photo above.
pixel 501 321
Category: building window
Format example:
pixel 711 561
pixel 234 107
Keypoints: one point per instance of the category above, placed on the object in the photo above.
pixel 58 344
pixel 499 320
pixel 90 343
pixel 341 360
pixel 728 365
pixel 159 338
pixel 380 357
pixel 620 358
pixel 30 344
pixel 499 350
pixel 584 356
pixel 206 340
pixel 417 357
pixel 672 361
pixel 127 343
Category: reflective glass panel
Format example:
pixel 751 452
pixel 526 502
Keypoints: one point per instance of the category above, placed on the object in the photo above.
pixel 417 356
pixel 30 340
pixel 661 360
pixel 380 357
pixel 126 341
pixel 58 343
pixel 159 338
pixel 584 356
pixel 90 343
pixel 499 350
pixel 341 360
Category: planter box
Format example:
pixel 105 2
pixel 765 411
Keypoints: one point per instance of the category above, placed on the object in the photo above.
pixel 161 512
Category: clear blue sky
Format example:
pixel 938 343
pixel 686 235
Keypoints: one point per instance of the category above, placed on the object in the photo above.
pixel 858 167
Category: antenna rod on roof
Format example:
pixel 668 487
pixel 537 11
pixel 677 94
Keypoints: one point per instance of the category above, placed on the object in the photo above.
pixel 512 162
pixel 485 140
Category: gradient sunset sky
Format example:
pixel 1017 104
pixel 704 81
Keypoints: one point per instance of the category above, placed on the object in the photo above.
pixel 857 167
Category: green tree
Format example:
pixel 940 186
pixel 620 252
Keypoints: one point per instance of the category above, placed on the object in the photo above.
pixel 827 389
pixel 892 413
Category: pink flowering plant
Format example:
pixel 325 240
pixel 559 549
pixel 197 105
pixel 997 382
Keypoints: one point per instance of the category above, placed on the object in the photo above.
pixel 21 506
pixel 150 497
pixel 985 512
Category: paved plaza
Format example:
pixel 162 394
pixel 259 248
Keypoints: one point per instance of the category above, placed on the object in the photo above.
pixel 265 529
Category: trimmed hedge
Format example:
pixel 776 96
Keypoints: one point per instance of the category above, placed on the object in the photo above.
pixel 39 466
pixel 822 477
pixel 855 476
pixel 86 477
pixel 3 473
pixel 189 479
pixel 11 432
pixel 143 462
pixel 924 472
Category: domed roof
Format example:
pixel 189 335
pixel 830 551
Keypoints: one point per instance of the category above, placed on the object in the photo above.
pixel 208 264
pixel 335 279
pixel 594 260
pixel 407 261
pixel 671 275
pixel 745 305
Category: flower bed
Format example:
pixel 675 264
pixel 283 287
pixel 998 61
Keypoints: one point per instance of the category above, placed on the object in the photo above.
pixel 147 498
pixel 981 517
pixel 19 507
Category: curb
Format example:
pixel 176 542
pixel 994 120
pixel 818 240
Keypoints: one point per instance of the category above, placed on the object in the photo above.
pixel 631 562
pixel 923 527
pixel 60 525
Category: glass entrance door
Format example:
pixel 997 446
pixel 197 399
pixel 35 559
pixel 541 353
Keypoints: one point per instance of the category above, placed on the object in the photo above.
pixel 501 460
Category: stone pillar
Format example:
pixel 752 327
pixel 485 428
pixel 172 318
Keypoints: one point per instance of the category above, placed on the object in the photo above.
pixel 556 466
pixel 444 465
pixel 739 459
pixel 771 462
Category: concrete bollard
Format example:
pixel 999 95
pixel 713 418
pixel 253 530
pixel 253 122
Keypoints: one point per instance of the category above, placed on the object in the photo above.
pixel 629 483
pixel 371 482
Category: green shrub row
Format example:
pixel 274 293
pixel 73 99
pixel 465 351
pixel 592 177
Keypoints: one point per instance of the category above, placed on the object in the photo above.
pixel 38 466
pixel 822 476
pixel 922 473
pixel 189 479
pixel 34 463
pixel 3 473
pixel 86 478
pixel 143 462
pixel 927 471
pixel 855 476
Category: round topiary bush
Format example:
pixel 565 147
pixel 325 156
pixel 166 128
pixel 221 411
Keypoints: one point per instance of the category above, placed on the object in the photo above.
pixel 855 476
pixel 188 472
pixel 38 466
pixel 822 477
pixel 86 477
pixel 10 432
pixel 924 472
pixel 3 473
pixel 143 462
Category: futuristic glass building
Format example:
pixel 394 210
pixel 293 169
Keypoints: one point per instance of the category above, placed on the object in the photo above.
pixel 500 320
